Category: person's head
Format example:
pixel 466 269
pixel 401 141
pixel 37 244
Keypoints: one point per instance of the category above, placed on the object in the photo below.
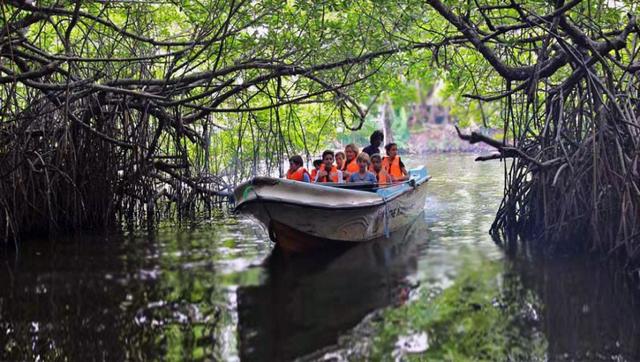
pixel 351 151
pixel 339 159
pixel 295 162
pixel 327 159
pixel 392 149
pixel 317 164
pixel 376 138
pixel 363 161
pixel 376 162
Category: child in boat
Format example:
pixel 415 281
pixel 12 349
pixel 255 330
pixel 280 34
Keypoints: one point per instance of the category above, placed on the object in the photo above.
pixel 316 168
pixel 393 165
pixel 329 172
pixel 363 174
pixel 296 171
pixel 340 160
pixel 350 164
pixel 382 176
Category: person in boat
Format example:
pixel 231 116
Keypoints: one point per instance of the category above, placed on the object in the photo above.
pixel 363 174
pixel 375 141
pixel 350 163
pixel 340 159
pixel 382 176
pixel 316 167
pixel 296 170
pixel 393 164
pixel 328 172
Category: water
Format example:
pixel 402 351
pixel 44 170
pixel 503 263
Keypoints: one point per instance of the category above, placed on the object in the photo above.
pixel 217 292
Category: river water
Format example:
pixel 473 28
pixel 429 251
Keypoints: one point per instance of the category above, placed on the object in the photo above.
pixel 218 290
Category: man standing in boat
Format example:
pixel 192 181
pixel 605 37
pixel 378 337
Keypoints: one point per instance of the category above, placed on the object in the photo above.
pixel 375 140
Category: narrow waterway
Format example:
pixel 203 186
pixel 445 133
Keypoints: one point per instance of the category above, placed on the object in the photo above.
pixel 218 291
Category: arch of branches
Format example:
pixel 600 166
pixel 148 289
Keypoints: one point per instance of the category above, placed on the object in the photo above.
pixel 109 109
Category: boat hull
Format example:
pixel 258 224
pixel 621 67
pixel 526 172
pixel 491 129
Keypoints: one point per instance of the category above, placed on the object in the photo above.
pixel 354 224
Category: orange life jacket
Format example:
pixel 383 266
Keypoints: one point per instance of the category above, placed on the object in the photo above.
pixel 297 175
pixel 382 177
pixel 314 173
pixel 333 176
pixel 392 168
pixel 352 166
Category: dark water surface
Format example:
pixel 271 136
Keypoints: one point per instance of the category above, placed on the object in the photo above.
pixel 218 292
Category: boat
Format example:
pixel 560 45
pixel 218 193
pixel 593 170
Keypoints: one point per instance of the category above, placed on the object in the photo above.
pixel 301 217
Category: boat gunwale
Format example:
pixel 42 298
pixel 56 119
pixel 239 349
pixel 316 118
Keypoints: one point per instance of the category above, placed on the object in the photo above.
pixel 377 203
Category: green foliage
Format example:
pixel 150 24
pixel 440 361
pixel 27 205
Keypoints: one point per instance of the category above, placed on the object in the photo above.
pixel 399 127
pixel 360 137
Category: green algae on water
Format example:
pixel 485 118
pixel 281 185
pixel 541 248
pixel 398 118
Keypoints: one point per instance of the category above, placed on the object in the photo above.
pixel 485 315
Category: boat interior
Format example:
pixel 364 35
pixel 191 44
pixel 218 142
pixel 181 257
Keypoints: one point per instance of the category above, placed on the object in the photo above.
pixel 415 175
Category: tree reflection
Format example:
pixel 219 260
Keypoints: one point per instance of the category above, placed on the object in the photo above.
pixel 590 311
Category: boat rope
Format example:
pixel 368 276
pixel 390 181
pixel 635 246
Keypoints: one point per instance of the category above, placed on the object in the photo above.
pixel 385 217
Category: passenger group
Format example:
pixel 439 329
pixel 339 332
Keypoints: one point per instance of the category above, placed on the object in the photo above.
pixel 353 166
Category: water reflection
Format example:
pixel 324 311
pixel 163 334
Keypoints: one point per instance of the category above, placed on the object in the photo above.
pixel 51 305
pixel 214 293
pixel 589 311
pixel 136 297
pixel 307 302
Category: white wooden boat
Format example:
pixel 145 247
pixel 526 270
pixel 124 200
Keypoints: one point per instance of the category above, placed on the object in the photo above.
pixel 300 216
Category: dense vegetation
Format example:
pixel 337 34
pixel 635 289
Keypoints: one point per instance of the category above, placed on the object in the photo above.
pixel 110 108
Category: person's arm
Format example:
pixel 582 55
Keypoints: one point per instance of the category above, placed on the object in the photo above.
pixel 389 177
pixel 405 173
pixel 403 168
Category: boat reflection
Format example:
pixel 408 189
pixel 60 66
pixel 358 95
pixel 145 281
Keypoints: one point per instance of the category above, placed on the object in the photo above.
pixel 306 302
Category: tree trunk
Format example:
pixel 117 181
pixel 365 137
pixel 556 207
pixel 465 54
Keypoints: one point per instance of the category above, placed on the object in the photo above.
pixel 385 121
